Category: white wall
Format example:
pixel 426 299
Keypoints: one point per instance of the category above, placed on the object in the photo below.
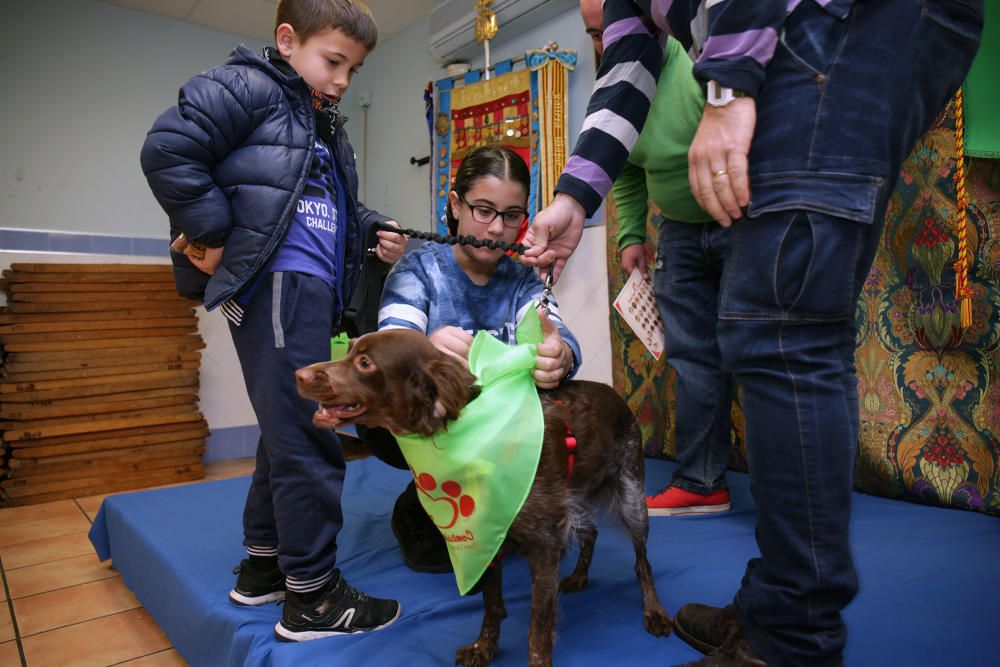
pixel 82 82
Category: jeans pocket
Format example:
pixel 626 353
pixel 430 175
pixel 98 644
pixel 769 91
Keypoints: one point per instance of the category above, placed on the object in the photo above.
pixel 795 266
pixel 814 37
pixel 962 17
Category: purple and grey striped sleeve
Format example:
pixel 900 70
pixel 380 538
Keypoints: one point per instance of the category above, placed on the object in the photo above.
pixel 616 113
pixel 737 39
pixel 740 41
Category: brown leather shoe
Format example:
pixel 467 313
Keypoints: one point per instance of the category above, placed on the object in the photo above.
pixel 706 628
pixel 716 632
pixel 736 654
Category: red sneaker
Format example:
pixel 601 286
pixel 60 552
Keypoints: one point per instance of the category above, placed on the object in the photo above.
pixel 674 501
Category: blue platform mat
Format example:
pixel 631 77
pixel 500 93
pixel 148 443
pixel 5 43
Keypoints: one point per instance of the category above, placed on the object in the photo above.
pixel 930 582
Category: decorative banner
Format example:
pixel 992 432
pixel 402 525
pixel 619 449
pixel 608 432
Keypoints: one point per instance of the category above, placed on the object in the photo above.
pixel 553 136
pixel 515 109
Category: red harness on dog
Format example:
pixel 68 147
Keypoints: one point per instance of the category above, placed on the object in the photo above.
pixel 570 444
pixel 571 450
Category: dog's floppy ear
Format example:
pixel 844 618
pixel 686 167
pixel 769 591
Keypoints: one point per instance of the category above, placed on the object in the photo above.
pixel 442 388
pixel 456 386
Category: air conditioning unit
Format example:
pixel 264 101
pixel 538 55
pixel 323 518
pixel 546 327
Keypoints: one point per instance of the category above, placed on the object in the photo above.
pixel 453 24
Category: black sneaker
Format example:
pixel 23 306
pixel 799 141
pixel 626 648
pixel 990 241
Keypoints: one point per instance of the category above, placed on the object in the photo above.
pixel 421 543
pixel 339 610
pixel 254 587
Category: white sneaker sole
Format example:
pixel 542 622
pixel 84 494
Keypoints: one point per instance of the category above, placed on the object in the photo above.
pixel 245 601
pixel 694 509
pixel 287 635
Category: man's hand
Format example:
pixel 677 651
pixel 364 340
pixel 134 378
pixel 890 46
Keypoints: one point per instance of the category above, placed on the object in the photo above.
pixel 717 159
pixel 554 235
pixel 453 341
pixel 554 359
pixel 634 257
pixel 390 244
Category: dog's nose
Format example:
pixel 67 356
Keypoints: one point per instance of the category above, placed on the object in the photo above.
pixel 304 376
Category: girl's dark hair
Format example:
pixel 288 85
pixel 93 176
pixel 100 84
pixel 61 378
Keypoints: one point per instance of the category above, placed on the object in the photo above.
pixel 310 17
pixel 484 161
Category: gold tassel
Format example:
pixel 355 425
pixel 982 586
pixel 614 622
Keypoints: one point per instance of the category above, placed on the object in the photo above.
pixel 963 290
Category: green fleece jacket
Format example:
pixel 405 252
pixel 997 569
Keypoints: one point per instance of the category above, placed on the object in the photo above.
pixel 657 169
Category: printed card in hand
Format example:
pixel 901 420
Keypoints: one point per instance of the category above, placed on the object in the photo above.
pixel 637 305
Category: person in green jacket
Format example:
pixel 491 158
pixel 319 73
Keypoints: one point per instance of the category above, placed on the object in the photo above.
pixel 689 256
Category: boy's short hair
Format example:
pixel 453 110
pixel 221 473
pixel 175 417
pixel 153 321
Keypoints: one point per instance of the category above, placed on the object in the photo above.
pixel 310 17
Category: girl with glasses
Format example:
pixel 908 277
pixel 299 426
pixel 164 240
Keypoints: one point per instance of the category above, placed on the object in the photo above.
pixel 452 292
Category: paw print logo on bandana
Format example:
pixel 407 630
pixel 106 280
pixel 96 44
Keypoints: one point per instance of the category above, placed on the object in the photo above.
pixel 447 502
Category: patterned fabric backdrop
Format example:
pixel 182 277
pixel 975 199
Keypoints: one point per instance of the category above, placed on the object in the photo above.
pixel 929 399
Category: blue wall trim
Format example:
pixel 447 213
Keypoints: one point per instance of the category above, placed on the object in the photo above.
pixel 87 244
pixel 235 442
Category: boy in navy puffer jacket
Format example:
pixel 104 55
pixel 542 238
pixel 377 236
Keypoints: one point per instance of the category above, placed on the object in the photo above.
pixel 254 165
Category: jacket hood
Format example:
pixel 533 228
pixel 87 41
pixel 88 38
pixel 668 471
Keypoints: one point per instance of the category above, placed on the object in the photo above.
pixel 270 61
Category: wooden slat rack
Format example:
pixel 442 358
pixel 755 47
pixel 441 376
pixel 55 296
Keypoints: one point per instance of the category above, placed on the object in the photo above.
pixel 98 382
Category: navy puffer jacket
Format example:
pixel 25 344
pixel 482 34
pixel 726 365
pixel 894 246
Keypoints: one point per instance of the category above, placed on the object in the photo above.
pixel 229 163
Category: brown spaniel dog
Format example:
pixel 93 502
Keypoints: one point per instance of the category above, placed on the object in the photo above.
pixel 397 379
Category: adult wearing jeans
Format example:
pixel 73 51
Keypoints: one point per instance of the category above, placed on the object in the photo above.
pixel 689 251
pixel 821 101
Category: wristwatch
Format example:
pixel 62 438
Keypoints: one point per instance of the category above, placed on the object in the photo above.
pixel 719 96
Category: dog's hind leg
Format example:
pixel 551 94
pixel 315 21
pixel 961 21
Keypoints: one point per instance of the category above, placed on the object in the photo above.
pixel 586 536
pixel 634 515
pixel 482 651
pixel 544 564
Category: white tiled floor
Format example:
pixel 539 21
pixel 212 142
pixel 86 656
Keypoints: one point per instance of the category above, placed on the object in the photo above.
pixel 59 605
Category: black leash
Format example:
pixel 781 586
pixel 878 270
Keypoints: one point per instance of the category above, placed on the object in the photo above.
pixel 453 240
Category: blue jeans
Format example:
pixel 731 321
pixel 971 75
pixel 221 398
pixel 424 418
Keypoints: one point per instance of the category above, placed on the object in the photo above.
pixel 294 498
pixel 686 282
pixel 844 101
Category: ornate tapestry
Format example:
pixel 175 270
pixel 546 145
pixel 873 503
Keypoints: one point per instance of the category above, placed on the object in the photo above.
pixel 929 399
pixel 523 109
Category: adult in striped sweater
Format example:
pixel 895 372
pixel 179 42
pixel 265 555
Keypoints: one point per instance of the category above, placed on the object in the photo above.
pixel 690 247
pixel 812 107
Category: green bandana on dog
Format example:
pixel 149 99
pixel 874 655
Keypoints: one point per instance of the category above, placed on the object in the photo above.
pixel 473 477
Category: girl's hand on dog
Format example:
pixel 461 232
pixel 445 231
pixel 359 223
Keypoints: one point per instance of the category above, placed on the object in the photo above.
pixel 390 245
pixel 554 359
pixel 453 341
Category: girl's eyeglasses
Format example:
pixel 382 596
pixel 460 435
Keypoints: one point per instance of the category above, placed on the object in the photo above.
pixel 484 215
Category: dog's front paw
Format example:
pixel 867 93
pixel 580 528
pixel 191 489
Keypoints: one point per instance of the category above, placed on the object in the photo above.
pixel 476 654
pixel 573 583
pixel 657 622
